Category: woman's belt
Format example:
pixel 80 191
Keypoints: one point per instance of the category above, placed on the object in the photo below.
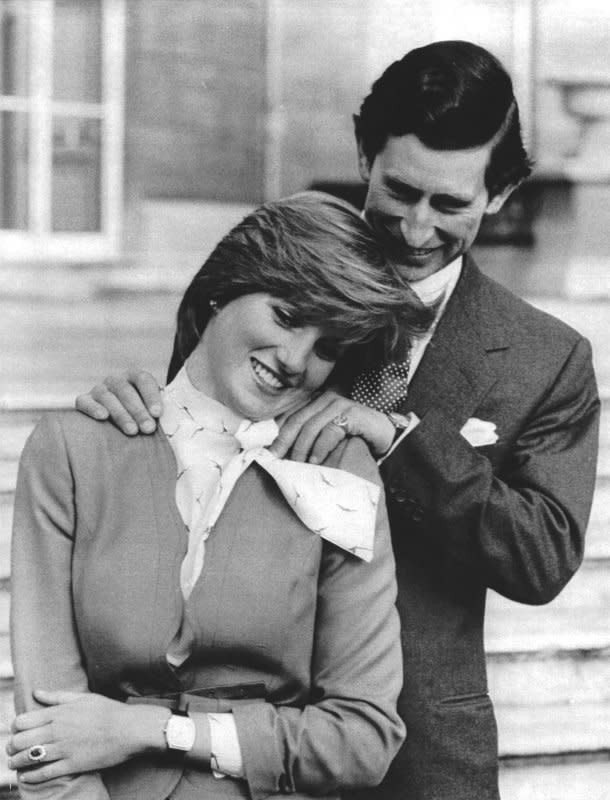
pixel 214 699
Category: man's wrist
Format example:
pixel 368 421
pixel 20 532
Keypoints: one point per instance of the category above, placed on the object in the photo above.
pixel 403 425
pixel 400 423
pixel 383 443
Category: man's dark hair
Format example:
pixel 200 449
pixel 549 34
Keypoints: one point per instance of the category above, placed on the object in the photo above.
pixel 452 95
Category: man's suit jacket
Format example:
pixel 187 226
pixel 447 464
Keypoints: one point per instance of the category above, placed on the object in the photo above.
pixel 510 516
pixel 306 634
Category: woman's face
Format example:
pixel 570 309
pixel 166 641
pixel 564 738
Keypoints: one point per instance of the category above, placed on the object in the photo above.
pixel 256 357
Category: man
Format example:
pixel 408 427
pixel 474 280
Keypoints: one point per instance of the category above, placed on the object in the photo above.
pixel 490 474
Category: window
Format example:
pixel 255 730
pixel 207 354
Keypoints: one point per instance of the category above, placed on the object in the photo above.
pixel 61 127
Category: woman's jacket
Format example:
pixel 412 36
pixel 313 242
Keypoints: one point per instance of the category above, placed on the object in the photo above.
pixel 298 638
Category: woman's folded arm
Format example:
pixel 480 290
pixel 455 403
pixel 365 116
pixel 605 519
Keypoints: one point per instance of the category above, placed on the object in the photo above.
pixel 45 647
pixel 349 732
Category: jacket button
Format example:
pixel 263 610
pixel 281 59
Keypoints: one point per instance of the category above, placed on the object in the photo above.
pixel 417 514
pixel 400 496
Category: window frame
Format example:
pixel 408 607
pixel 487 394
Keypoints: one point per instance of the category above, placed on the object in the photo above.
pixel 39 240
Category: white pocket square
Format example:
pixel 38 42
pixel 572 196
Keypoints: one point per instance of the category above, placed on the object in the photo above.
pixel 478 432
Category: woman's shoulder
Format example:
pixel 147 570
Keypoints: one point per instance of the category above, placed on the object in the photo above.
pixel 73 426
pixel 78 435
pixel 353 455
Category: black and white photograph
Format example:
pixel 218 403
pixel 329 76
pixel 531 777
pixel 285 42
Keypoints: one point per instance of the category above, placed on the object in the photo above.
pixel 304 399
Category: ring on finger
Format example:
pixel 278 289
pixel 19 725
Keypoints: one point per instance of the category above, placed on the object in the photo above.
pixel 37 753
pixel 341 421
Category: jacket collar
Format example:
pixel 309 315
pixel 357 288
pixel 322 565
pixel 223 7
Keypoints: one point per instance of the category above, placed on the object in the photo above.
pixel 455 373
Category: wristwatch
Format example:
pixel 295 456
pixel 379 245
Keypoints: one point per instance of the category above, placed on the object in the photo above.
pixel 180 733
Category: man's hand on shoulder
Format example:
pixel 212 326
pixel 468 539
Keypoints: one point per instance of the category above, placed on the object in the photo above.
pixel 312 432
pixel 131 400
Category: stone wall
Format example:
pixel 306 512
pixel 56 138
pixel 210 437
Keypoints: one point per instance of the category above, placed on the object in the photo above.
pixel 195 98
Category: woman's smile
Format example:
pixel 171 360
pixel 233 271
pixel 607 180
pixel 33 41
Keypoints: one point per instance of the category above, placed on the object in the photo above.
pixel 257 359
pixel 268 377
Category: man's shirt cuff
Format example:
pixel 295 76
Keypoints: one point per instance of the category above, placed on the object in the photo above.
pixel 414 421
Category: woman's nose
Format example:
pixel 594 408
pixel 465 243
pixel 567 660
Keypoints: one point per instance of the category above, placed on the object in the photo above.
pixel 298 348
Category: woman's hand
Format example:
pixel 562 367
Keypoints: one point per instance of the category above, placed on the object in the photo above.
pixel 81 732
pixel 132 400
pixel 310 434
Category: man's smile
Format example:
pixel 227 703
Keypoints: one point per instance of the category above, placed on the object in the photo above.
pixel 419 252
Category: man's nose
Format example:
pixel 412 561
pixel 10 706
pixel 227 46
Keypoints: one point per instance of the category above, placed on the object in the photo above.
pixel 417 225
pixel 297 348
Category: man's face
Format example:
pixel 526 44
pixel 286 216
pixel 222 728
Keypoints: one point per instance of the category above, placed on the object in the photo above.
pixel 426 205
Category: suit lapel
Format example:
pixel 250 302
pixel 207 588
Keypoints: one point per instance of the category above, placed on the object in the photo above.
pixel 455 373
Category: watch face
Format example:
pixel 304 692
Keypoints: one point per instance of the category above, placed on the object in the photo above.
pixel 180 733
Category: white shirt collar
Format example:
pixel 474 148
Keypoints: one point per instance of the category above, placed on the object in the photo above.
pixel 440 283
pixel 201 407
pixel 430 289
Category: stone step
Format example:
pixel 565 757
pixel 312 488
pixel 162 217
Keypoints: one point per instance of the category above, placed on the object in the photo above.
pixel 13 438
pixel 554 702
pixel 4 611
pixel 6 523
pixel 551 729
pixel 597 544
pixel 8 477
pixel 7 710
pixel 550 677
pixel 6 667
pixel 574 778
pixel 576 619
pixel 592 319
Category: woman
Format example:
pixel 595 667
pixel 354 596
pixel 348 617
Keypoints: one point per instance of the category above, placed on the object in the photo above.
pixel 187 606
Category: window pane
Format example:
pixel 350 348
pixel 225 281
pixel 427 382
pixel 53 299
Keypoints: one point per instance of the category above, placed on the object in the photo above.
pixel 77 50
pixel 76 174
pixel 14 47
pixel 13 170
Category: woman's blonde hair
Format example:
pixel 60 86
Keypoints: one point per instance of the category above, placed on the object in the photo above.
pixel 315 253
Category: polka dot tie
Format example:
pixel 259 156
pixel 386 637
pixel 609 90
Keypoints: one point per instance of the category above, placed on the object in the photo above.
pixel 383 389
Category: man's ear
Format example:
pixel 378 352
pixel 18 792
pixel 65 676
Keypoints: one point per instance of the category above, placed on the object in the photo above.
pixel 498 200
pixel 363 163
